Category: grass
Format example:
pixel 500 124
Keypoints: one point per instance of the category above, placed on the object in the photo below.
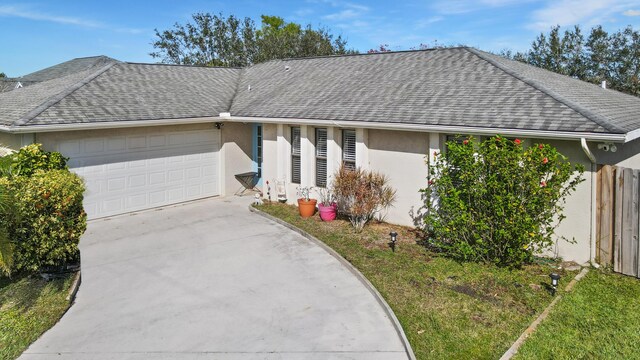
pixel 448 310
pixel 600 319
pixel 28 307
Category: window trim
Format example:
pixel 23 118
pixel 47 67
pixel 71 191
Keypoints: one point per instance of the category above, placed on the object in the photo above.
pixel 348 163
pixel 320 158
pixel 258 149
pixel 296 155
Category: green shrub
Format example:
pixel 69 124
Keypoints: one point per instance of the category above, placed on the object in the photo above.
pixel 50 218
pixel 497 201
pixel 31 158
pixel 7 213
pixel 362 194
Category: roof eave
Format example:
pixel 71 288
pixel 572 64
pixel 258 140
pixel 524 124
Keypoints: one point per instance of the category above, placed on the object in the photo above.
pixel 25 129
pixel 560 135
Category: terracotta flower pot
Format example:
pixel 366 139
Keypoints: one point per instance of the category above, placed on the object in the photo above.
pixel 328 213
pixel 307 207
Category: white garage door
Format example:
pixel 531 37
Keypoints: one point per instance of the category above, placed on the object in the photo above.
pixel 143 169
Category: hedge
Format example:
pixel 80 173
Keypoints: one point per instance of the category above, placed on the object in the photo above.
pixel 48 218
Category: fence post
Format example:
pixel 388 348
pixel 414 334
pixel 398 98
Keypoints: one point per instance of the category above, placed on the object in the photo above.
pixel 617 230
pixel 605 214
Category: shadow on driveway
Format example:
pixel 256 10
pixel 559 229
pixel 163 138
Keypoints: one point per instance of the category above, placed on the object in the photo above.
pixel 211 280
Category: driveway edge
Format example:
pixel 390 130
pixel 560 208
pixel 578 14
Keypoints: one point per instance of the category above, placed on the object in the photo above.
pixel 73 290
pixel 354 271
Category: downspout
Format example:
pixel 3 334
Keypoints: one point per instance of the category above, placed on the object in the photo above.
pixel 592 158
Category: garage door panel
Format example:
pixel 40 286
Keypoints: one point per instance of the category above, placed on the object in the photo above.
pixel 70 148
pixel 130 173
pixel 116 144
pixel 156 178
pixel 157 141
pixel 112 206
pixel 137 180
pixel 175 194
pixel 94 146
pixel 194 190
pixel 138 142
pixel 137 201
pixel 157 198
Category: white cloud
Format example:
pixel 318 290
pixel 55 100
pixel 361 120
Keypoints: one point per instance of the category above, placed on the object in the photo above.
pixel 347 11
pixel 27 13
pixel 422 23
pixel 631 13
pixel 342 15
pixel 573 12
pixel 451 7
pixel 21 12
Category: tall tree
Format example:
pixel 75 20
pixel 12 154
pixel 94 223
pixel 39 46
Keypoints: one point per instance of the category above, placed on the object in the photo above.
pixel 210 40
pixel 2 75
pixel 216 40
pixel 598 56
pixel 614 58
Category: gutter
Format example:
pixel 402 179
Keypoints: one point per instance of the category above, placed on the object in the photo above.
pixel 593 222
pixel 28 129
pixel 619 138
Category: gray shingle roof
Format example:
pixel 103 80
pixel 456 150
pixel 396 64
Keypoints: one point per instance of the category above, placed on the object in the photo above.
pixel 20 104
pixel 445 87
pixel 449 87
pixel 68 68
pixel 57 71
pixel 122 92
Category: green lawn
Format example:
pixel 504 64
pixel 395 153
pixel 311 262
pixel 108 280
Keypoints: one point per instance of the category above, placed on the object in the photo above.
pixel 449 310
pixel 28 307
pixel 600 319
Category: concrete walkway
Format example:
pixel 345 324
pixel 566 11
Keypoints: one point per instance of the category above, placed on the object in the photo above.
pixel 210 280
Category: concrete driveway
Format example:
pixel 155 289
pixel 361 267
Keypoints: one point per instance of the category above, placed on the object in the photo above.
pixel 210 280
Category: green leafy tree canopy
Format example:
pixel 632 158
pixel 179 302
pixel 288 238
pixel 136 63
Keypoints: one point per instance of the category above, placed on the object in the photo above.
pixel 217 40
pixel 602 56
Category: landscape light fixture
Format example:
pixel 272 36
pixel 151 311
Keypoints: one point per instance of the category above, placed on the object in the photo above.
pixel 394 238
pixel 554 281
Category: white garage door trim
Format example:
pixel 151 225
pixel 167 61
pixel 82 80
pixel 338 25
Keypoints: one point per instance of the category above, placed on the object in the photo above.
pixel 147 168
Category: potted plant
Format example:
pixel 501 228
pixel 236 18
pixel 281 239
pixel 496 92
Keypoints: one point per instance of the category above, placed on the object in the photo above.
pixel 306 206
pixel 327 207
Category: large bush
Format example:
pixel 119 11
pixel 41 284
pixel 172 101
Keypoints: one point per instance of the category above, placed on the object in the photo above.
pixel 50 218
pixel 29 159
pixel 361 194
pixel 7 213
pixel 45 218
pixel 497 201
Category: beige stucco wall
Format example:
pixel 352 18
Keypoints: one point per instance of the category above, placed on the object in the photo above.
pixel 626 155
pixel 9 142
pixel 576 227
pixel 235 154
pixel 270 159
pixel 401 156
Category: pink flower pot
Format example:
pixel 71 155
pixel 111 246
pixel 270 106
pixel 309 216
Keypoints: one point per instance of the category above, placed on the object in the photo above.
pixel 328 213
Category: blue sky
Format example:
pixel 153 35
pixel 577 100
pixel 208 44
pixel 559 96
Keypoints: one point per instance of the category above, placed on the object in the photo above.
pixel 36 34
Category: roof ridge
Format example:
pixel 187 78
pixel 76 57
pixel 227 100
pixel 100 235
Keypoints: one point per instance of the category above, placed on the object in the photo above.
pixel 590 115
pixel 185 65
pixel 365 54
pixel 237 89
pixel 61 95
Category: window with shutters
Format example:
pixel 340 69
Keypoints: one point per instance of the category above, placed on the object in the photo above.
pixel 349 149
pixel 295 155
pixel 321 157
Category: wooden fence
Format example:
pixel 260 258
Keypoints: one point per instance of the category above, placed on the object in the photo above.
pixel 618 219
